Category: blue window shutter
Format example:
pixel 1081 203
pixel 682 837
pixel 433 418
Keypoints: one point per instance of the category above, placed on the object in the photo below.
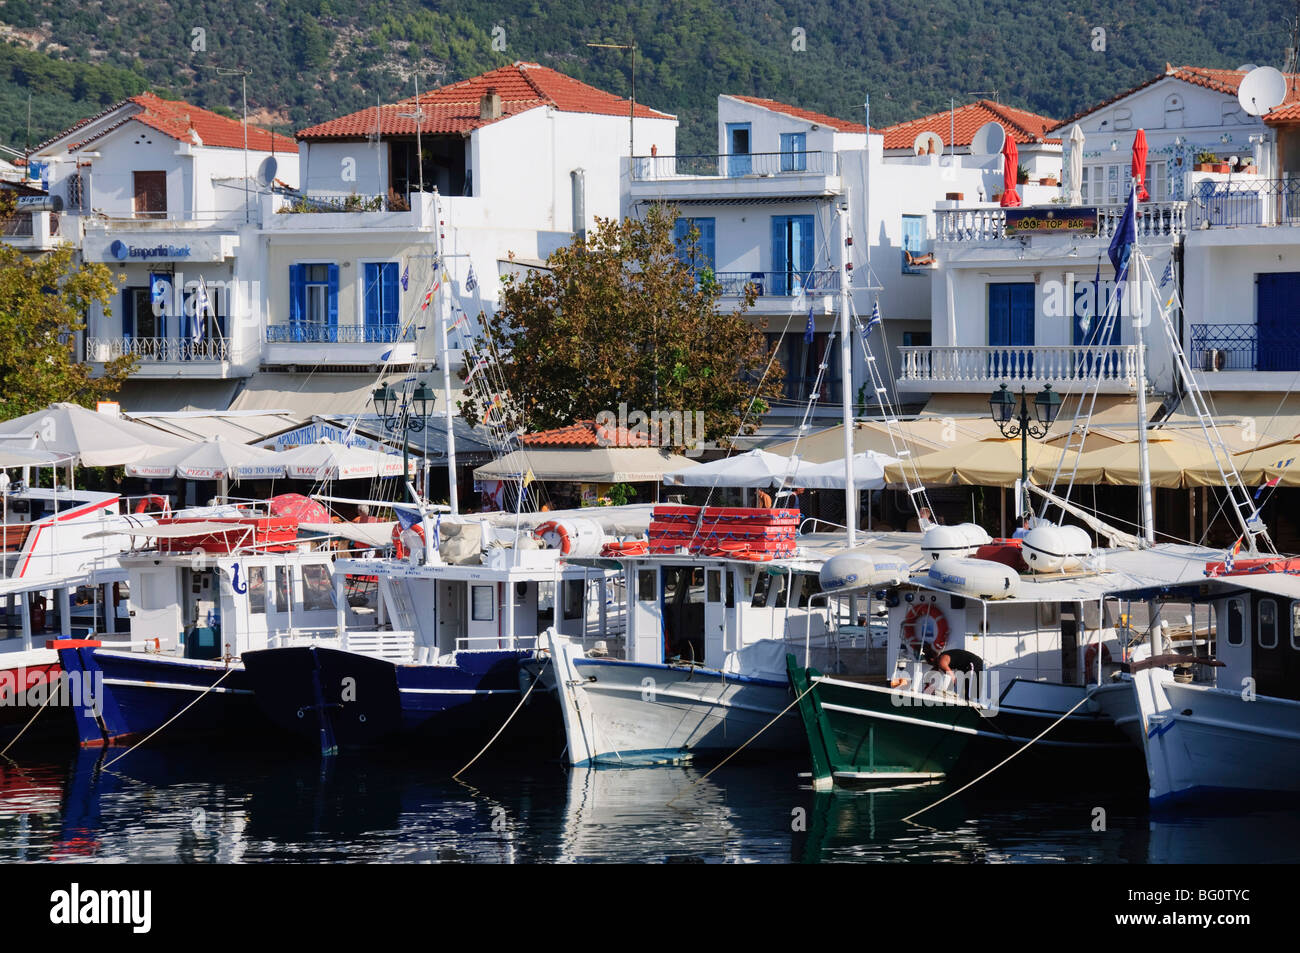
pixel 390 295
pixel 999 316
pixel 707 231
pixel 780 260
pixel 297 301
pixel 681 228
pixel 805 263
pixel 128 312
pixel 371 296
pixel 334 302
pixel 1022 315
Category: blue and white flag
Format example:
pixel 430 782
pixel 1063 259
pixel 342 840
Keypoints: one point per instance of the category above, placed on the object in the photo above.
pixel 202 306
pixel 809 330
pixel 1168 276
pixel 470 281
pixel 407 517
pixel 406 277
pixel 874 320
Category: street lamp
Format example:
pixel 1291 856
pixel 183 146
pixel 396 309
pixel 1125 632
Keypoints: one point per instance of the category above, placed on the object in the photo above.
pixel 1015 421
pixel 401 413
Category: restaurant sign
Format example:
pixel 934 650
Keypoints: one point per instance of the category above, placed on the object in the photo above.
pixel 1046 221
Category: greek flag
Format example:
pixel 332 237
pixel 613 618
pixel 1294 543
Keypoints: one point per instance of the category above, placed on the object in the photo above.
pixel 470 281
pixel 874 320
pixel 1168 276
pixel 202 305
pixel 808 331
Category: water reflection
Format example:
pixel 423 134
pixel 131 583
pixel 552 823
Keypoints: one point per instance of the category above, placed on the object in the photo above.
pixel 202 807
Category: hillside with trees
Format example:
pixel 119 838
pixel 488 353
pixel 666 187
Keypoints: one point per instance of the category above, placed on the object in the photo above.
pixel 309 60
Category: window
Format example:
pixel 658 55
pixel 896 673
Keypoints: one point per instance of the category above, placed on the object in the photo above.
pixel 313 302
pixel 573 599
pixel 1236 622
pixel 645 585
pixel 317 590
pixel 150 194
pixel 792 254
pixel 738 161
pixel 715 585
pixel 802 361
pixel 138 317
pixel 1295 626
pixel 381 293
pixel 702 254
pixel 794 151
pixel 257 589
pixel 1267 630
pixel 283 588
pixel 916 338
pixel 915 246
pixel 481 603
pixel 1157 182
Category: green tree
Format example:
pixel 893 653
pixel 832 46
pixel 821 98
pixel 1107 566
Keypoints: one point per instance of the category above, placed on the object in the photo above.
pixel 43 302
pixel 618 317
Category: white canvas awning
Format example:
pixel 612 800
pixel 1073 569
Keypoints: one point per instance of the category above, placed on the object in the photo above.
pixel 754 468
pixel 589 465
pixel 209 460
pixel 91 438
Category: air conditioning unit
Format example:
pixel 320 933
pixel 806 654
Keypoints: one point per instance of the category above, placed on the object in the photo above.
pixel 1214 360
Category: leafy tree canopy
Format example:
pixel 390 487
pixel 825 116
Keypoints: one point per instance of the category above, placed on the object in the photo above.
pixel 618 317
pixel 43 302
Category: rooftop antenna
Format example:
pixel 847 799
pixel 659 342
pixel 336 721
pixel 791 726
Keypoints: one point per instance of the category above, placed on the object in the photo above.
pixel 987 92
pixel 418 116
pixel 631 112
pixel 243 74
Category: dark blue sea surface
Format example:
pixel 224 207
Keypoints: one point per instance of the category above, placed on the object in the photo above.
pixel 168 805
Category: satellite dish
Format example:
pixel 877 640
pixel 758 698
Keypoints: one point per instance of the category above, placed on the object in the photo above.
pixel 927 143
pixel 266 172
pixel 988 139
pixel 1261 90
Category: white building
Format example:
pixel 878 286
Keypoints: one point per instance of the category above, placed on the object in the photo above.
pixel 767 206
pixel 955 128
pixel 167 194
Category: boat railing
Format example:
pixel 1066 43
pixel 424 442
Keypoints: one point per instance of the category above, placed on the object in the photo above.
pixel 495 643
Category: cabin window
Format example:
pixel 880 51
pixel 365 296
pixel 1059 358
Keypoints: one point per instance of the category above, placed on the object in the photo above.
pixel 1236 622
pixel 481 603
pixel 257 589
pixel 1295 626
pixel 645 585
pixel 317 589
pixel 283 588
pixel 715 585
pixel 731 589
pixel 573 598
pixel 1267 629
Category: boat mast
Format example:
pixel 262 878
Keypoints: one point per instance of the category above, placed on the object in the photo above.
pixel 846 373
pixel 444 359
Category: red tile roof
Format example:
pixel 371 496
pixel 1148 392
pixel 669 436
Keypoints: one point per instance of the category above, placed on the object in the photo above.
pixel 178 120
pixel 961 124
pixel 584 434
pixel 839 125
pixel 454 108
pixel 1220 80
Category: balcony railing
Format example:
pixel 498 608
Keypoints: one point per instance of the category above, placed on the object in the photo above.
pixel 760 164
pixel 787 283
pixel 343 334
pixel 992 364
pixel 1250 201
pixel 157 350
pixel 1154 220
pixel 1237 347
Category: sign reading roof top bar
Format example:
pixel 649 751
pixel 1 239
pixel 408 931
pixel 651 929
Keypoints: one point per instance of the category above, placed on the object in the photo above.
pixel 1043 221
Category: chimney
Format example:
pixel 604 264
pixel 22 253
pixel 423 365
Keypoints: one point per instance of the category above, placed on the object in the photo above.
pixel 489 107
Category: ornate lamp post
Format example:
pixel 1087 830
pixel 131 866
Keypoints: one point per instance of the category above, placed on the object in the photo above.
pixel 401 413
pixel 1015 421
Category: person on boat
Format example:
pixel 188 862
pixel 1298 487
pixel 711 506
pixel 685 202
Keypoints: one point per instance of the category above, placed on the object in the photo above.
pixel 951 661
pixel 763 499
pixel 1023 530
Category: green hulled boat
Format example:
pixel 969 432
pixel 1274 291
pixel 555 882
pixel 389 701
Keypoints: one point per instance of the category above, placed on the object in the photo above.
pixel 861 734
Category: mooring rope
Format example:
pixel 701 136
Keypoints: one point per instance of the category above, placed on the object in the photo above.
pixel 202 695
pixel 1009 757
pixel 811 685
pixel 13 741
pixel 456 776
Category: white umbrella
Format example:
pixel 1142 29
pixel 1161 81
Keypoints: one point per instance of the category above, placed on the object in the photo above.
pixel 327 460
pixel 755 468
pixel 92 439
pixel 212 459
pixel 1076 165
pixel 14 456
pixel 868 472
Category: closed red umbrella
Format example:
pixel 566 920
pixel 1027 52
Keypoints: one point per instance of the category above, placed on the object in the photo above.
pixel 1010 168
pixel 1140 164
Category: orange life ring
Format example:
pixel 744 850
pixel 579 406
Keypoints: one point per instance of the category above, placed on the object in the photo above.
pixel 398 548
pixel 560 530
pixel 914 615
pixel 1090 657
pixel 635 547
pixel 160 503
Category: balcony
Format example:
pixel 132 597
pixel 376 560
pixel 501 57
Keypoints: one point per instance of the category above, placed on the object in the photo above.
pixel 329 212
pixel 343 344
pixel 1229 357
pixel 33 231
pixel 167 357
pixel 1219 201
pixel 961 369
pixel 721 177
pixel 785 284
pixel 1155 221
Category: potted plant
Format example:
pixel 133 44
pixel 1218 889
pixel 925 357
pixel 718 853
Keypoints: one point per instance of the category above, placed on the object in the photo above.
pixel 1049 180
pixel 1022 175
